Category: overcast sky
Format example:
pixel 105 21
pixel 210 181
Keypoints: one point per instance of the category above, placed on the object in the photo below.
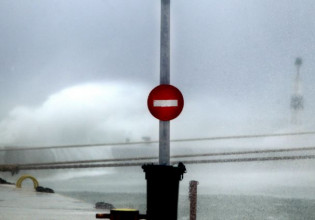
pixel 232 60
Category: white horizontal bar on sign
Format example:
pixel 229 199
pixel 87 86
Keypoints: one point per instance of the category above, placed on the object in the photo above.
pixel 165 103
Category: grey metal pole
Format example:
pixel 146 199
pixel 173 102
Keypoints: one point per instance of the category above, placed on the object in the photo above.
pixel 165 43
pixel 297 97
pixel 164 143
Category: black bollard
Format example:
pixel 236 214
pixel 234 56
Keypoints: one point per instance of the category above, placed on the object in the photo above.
pixel 162 190
pixel 122 214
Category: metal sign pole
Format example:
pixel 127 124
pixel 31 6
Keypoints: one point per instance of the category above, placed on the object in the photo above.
pixel 164 143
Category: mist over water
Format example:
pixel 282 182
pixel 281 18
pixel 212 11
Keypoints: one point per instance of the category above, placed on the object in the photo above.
pixel 96 113
pixel 82 114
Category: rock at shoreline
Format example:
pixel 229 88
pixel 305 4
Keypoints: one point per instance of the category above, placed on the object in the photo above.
pixel 44 190
pixel 2 181
pixel 104 205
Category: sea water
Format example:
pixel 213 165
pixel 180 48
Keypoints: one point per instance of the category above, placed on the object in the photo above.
pixel 215 206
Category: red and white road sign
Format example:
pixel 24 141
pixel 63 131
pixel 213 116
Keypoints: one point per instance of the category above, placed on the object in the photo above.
pixel 165 102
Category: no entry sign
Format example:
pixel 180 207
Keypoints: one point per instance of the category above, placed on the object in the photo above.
pixel 165 102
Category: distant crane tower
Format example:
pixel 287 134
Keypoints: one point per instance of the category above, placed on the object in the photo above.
pixel 297 102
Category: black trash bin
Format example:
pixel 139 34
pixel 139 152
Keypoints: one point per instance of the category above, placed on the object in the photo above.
pixel 162 190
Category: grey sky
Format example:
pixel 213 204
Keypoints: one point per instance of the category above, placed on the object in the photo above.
pixel 230 50
pixel 49 45
pixel 233 60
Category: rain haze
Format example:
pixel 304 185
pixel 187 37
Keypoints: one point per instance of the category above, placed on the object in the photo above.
pixel 79 72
